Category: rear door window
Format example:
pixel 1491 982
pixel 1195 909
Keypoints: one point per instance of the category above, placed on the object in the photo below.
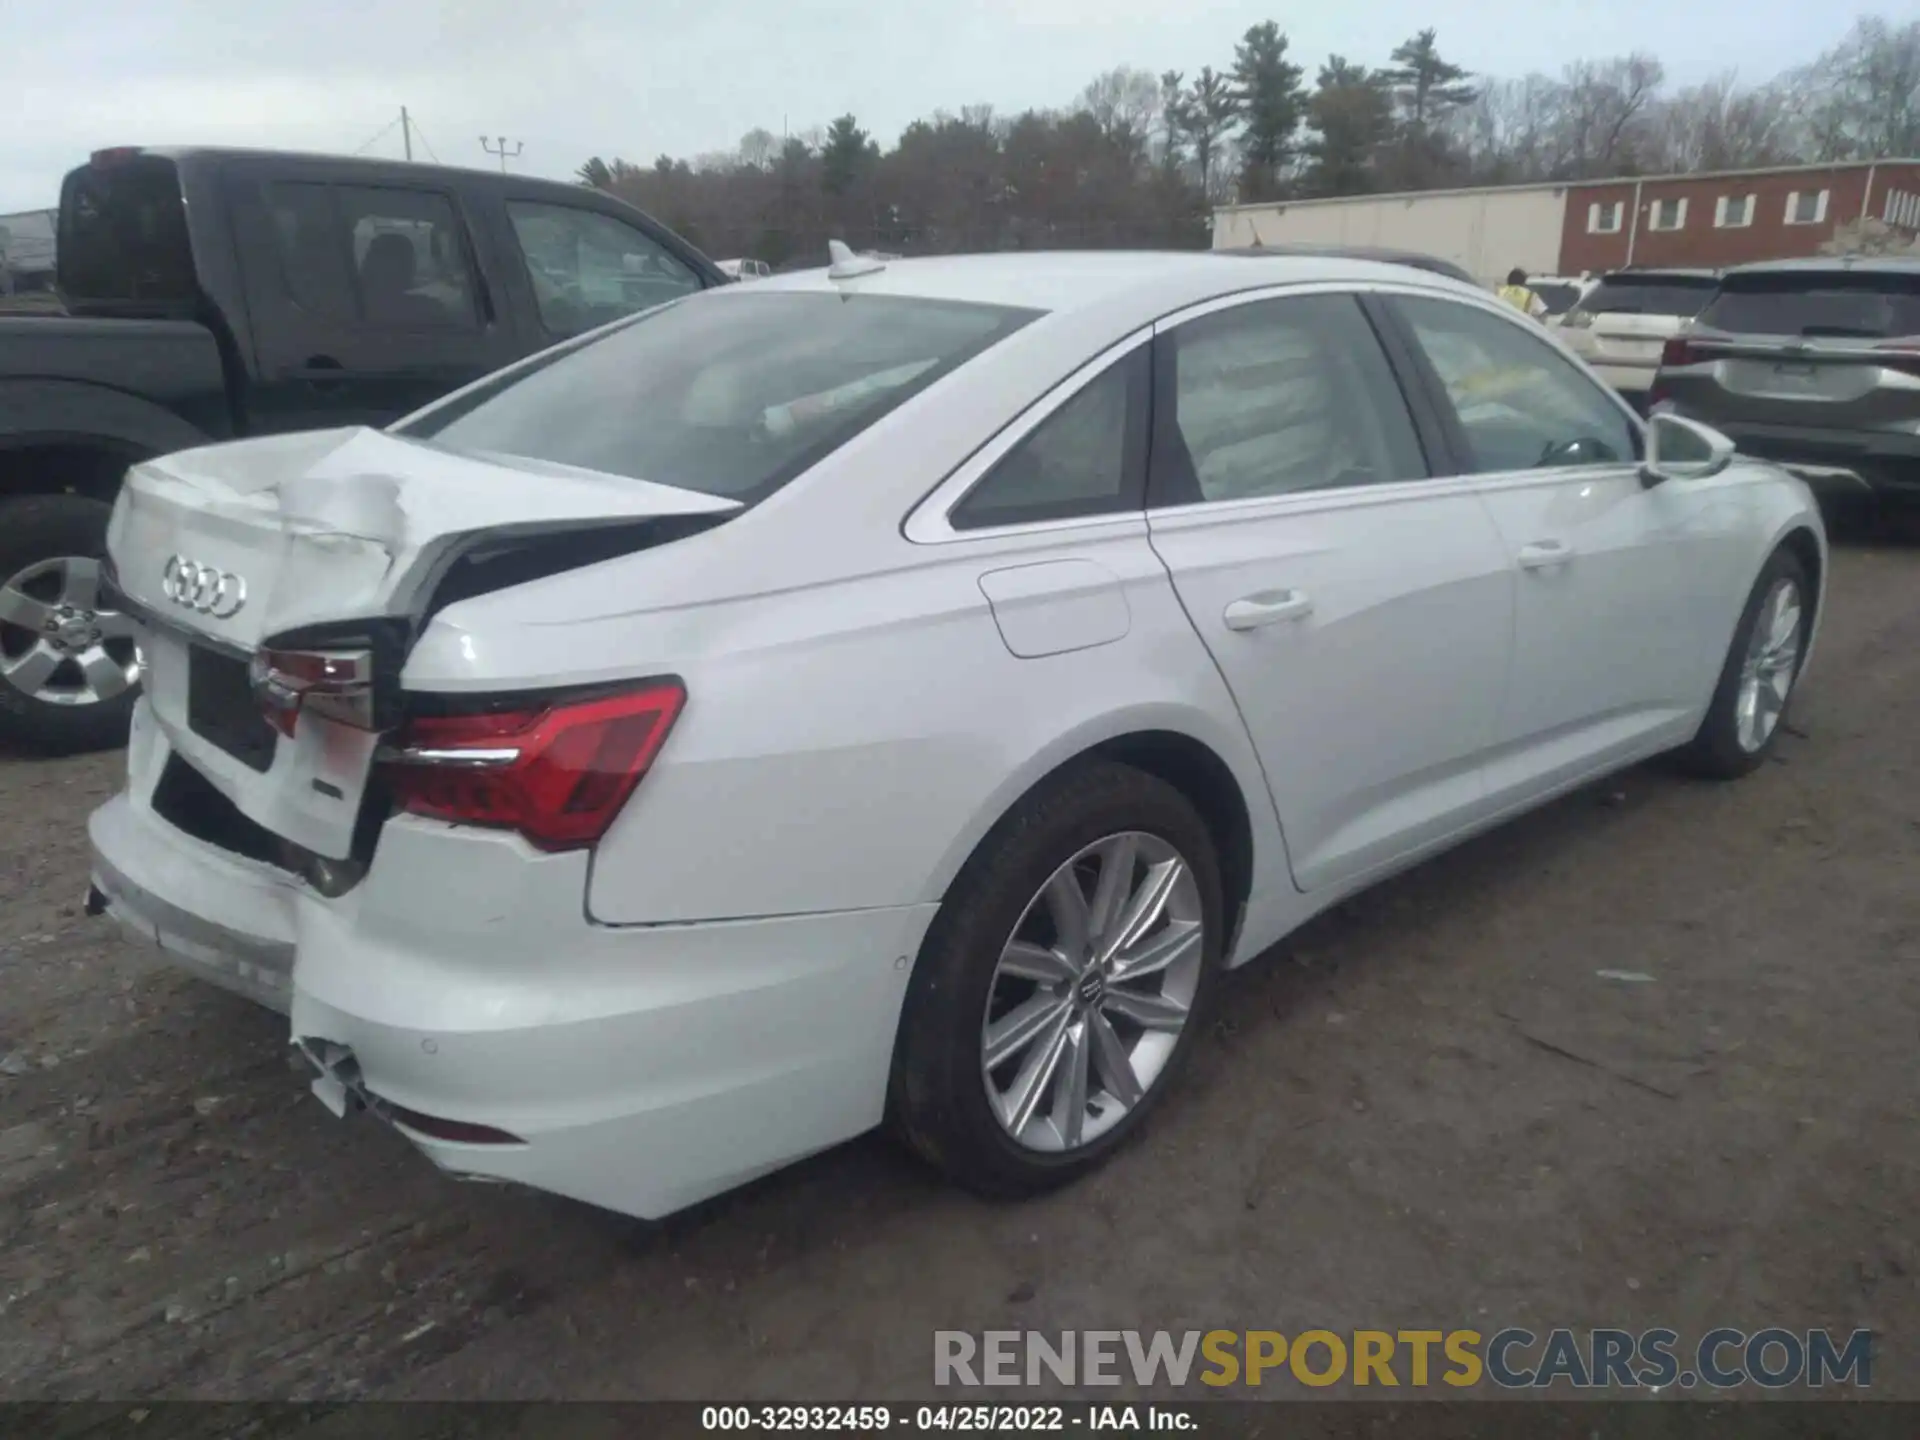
pixel 378 256
pixel 1865 304
pixel 1275 397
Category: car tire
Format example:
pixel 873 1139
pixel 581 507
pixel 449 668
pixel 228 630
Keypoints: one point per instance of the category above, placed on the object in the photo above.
pixel 52 713
pixel 1096 818
pixel 1761 668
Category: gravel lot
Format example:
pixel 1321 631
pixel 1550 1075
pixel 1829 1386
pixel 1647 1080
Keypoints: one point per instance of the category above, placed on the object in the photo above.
pixel 1428 1109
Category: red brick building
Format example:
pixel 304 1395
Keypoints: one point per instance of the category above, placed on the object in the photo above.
pixel 1730 217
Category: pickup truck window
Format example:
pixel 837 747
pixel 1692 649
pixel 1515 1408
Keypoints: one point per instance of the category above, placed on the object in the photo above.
pixel 123 233
pixel 377 255
pixel 587 268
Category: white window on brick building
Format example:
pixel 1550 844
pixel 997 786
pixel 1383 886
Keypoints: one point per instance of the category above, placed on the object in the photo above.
pixel 1806 207
pixel 1901 208
pixel 1603 217
pixel 1667 215
pixel 1733 212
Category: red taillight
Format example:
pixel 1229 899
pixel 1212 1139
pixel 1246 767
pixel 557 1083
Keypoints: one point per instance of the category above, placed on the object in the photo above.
pixel 558 774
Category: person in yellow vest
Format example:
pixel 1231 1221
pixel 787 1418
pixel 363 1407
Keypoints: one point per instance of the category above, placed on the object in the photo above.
pixel 1518 294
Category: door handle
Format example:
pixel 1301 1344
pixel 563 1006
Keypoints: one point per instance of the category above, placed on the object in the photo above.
pixel 322 373
pixel 1545 554
pixel 1269 607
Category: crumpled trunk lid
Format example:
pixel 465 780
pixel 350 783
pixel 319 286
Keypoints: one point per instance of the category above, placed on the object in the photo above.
pixel 224 549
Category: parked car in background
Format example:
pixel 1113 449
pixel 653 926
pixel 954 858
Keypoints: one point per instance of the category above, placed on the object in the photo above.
pixel 215 293
pixel 1559 293
pixel 886 688
pixel 745 269
pixel 1619 326
pixel 1814 364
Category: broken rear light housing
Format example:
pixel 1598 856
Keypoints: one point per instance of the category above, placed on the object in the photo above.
pixel 1680 351
pixel 555 771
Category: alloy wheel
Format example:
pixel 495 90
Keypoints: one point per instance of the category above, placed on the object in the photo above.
pixel 1092 991
pixel 57 644
pixel 1771 664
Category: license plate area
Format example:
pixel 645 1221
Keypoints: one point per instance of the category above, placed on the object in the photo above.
pixel 221 708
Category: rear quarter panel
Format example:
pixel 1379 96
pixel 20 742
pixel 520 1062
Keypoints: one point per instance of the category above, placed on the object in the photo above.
pixel 846 745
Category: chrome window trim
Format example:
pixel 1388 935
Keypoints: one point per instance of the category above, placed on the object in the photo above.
pixel 928 523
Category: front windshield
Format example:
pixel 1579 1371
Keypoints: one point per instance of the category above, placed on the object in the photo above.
pixel 728 394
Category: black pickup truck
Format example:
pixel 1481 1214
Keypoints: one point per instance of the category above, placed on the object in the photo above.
pixel 211 294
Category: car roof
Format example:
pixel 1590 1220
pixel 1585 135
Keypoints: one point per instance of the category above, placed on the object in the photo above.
pixel 1433 264
pixel 1661 272
pixel 1831 265
pixel 1057 281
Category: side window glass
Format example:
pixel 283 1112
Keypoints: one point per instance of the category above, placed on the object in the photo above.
pixel 588 269
pixel 1522 405
pixel 1080 460
pixel 388 258
pixel 313 253
pixel 410 256
pixel 1275 397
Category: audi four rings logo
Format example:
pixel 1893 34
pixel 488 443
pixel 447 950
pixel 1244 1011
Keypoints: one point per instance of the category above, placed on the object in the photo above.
pixel 219 593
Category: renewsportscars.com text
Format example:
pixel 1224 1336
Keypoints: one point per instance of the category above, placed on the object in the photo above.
pixel 1512 1359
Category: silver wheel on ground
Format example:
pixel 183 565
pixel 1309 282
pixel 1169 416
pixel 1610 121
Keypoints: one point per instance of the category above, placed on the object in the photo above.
pixel 1772 660
pixel 1092 991
pixel 57 645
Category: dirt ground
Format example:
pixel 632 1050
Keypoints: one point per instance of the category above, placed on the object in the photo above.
pixel 1429 1109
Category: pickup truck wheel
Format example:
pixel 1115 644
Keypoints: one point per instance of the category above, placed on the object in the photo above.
pixel 69 670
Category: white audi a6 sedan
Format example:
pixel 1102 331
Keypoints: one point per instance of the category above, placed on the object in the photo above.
pixel 898 691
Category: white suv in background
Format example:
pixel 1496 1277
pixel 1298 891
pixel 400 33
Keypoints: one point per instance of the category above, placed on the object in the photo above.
pixel 1559 293
pixel 1620 326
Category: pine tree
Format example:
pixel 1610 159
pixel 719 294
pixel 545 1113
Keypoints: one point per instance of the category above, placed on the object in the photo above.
pixel 1268 90
pixel 1351 114
pixel 1426 85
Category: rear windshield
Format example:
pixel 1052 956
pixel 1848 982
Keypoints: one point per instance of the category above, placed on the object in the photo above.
pixel 1869 304
pixel 123 234
pixel 1557 298
pixel 1681 295
pixel 731 394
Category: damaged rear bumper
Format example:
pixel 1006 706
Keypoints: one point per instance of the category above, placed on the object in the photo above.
pixel 460 994
pixel 249 950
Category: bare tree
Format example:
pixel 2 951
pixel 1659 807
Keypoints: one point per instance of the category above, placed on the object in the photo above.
pixel 1510 133
pixel 1718 126
pixel 1861 99
pixel 759 148
pixel 1604 105
pixel 1124 103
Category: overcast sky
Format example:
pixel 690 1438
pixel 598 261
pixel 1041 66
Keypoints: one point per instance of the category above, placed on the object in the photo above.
pixel 634 78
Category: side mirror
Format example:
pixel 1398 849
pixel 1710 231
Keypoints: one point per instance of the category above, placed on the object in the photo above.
pixel 1682 449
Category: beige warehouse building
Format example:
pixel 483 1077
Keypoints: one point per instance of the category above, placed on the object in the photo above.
pixel 1486 232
